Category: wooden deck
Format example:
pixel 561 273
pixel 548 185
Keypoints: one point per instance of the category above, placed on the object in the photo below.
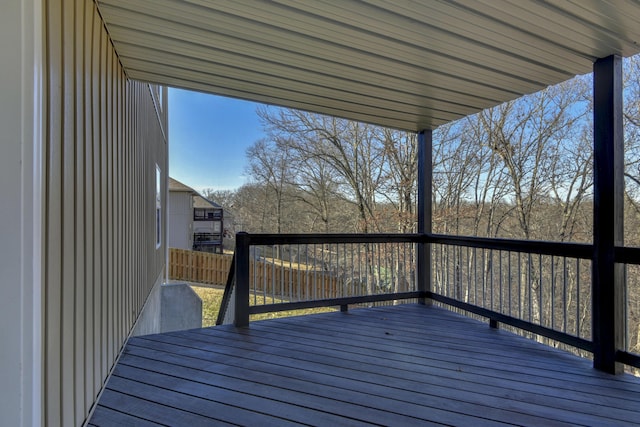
pixel 394 366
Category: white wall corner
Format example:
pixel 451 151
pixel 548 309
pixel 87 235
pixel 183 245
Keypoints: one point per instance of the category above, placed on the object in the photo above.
pixel 32 213
pixel 21 186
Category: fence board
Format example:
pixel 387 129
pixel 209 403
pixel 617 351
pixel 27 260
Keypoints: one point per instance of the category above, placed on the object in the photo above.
pixel 201 267
pixel 212 269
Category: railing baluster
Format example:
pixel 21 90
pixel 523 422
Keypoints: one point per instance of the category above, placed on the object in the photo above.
pixel 501 306
pixel 578 298
pixel 520 308
pixel 290 273
pixel 509 281
pixel 393 286
pixel 323 278
pixel 378 281
pixel 280 273
pixel 360 282
pixel 540 291
pixel 467 269
pixel 565 309
pixel 315 272
pixel 485 271
pixel 529 267
pixel 491 278
pixel 553 293
pixel 299 292
pixel 406 270
pixel 353 281
pixel 474 267
pixel 332 291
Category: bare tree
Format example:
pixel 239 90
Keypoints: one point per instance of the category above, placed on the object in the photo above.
pixel 318 188
pixel 349 148
pixel 400 176
pixel 269 165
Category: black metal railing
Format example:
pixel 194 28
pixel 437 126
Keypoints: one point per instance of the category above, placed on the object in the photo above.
pixel 540 287
pixel 292 272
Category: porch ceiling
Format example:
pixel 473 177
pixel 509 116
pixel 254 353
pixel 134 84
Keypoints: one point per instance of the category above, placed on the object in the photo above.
pixel 398 63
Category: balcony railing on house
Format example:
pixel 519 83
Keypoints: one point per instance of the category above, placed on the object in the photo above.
pixel 540 289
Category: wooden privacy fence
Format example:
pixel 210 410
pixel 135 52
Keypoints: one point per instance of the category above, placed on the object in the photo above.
pixel 276 280
pixel 201 267
pixel 292 283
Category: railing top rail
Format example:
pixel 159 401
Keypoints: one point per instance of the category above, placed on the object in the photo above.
pixel 627 255
pixel 561 249
pixel 319 238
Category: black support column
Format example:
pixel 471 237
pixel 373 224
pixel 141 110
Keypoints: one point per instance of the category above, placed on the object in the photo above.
pixel 425 197
pixel 242 264
pixel 607 277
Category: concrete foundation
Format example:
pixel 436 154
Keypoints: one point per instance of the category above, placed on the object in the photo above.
pixel 169 307
pixel 181 308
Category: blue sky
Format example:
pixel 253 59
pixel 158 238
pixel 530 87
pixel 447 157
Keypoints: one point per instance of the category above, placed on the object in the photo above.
pixel 208 138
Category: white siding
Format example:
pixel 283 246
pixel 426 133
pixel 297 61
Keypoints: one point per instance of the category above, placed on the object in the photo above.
pixel 104 135
pixel 20 213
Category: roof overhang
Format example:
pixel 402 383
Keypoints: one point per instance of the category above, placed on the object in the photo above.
pixel 403 64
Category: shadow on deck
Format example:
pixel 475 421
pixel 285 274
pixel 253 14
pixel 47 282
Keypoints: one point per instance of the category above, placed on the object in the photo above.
pixel 399 365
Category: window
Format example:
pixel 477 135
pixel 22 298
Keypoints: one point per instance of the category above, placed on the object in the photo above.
pixel 207 214
pixel 158 207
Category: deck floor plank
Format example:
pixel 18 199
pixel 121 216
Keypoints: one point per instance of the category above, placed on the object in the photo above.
pixel 471 355
pixel 392 365
pixel 402 369
pixel 312 400
pixel 501 392
pixel 363 363
pixel 396 401
pixel 197 392
pixel 107 416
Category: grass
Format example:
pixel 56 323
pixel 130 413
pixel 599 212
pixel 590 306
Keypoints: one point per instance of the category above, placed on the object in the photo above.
pixel 212 298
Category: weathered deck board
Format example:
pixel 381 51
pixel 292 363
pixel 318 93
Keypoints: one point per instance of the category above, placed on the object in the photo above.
pixel 398 365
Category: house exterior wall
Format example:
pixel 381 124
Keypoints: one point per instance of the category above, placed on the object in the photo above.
pixel 180 220
pixel 103 137
pixel 21 213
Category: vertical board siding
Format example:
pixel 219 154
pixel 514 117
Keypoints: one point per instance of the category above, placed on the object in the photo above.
pixel 104 135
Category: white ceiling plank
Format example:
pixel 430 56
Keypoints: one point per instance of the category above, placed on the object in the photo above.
pixel 405 64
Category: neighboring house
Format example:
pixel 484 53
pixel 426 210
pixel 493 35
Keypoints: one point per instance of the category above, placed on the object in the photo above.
pixel 180 215
pixel 194 222
pixel 207 225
